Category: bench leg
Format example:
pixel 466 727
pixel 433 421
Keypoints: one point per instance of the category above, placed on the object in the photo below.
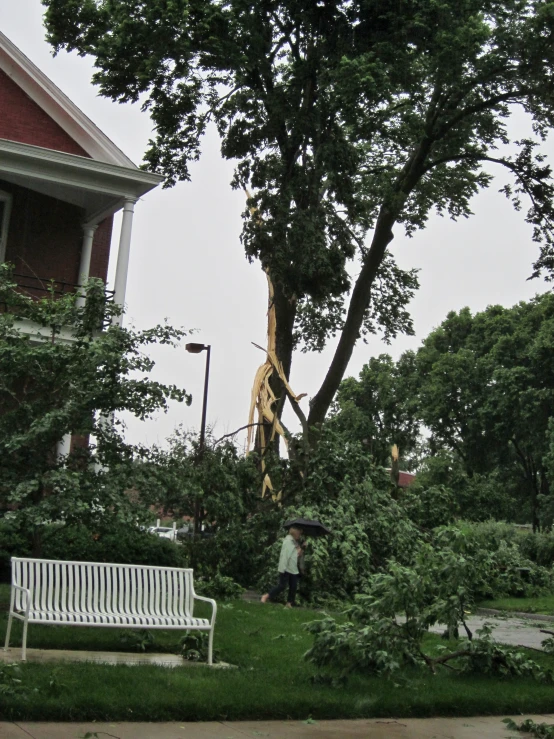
pixel 211 646
pixel 24 642
pixel 8 631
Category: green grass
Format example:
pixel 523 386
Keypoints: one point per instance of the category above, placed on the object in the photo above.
pixel 272 680
pixel 542 604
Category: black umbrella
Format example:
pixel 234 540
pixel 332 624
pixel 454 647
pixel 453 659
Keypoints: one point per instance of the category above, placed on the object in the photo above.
pixel 310 528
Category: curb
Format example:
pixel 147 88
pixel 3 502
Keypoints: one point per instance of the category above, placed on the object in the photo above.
pixel 514 614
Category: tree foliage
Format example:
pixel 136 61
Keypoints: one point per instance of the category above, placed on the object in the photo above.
pixel 348 120
pixel 472 410
pixel 380 408
pixel 486 392
pixel 225 482
pixel 384 630
pixel 63 375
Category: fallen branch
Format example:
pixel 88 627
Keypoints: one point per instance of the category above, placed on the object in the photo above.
pixel 535 649
pixel 242 428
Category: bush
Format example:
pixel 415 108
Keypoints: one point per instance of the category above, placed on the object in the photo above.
pixel 430 507
pixel 478 497
pixel 235 550
pixel 537 547
pixel 493 547
pixel 489 534
pixel 13 543
pixel 120 545
pixel 218 586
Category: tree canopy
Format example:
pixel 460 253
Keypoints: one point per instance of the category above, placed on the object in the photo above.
pixel 486 390
pixel 474 404
pixel 348 120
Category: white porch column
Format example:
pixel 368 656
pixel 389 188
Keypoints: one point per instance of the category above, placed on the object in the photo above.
pixel 86 253
pixel 64 446
pixel 123 255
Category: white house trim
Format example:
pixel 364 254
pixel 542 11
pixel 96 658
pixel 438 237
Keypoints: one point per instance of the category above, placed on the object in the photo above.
pixel 76 171
pixel 99 188
pixel 58 106
pixel 86 254
pixel 122 268
pixel 96 217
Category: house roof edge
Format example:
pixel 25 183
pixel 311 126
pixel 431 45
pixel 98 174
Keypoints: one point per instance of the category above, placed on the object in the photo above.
pixel 58 106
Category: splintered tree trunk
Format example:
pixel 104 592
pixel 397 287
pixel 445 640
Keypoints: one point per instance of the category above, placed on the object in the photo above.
pixel 285 313
pixel 271 386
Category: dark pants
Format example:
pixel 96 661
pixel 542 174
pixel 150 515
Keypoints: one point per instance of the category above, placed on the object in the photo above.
pixel 285 578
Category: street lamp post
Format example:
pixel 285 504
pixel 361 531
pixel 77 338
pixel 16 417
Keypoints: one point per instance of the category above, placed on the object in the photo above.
pixel 197 349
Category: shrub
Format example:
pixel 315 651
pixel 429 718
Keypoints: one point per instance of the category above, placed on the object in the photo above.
pixel 13 543
pixel 235 549
pixel 218 586
pixel 489 534
pixel 537 547
pixel 121 545
pixel 431 506
pixel 494 549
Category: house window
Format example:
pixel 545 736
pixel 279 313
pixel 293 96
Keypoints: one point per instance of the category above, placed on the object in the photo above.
pixel 5 208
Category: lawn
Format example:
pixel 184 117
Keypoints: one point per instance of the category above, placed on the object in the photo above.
pixel 272 680
pixel 542 604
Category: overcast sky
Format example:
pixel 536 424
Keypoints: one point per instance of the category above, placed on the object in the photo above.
pixel 187 263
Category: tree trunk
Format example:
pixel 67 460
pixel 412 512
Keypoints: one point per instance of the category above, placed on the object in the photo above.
pixel 285 314
pixel 544 490
pixel 359 303
pixel 361 294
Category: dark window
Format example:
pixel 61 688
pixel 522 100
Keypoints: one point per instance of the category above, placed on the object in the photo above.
pixel 5 207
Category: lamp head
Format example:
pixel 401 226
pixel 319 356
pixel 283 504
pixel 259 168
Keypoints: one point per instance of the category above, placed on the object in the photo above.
pixel 195 348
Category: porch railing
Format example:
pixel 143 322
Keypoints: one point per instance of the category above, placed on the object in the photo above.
pixel 38 287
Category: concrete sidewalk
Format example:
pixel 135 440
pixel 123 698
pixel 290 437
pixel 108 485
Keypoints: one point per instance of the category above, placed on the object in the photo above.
pixel 489 727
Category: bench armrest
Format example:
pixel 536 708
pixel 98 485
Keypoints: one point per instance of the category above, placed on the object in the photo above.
pixel 214 606
pixel 27 598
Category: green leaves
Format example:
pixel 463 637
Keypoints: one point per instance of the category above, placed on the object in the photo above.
pixel 380 408
pixel 486 393
pixel 385 628
pixel 65 375
pixel 528 726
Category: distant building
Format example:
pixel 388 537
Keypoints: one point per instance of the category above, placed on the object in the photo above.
pixel 405 479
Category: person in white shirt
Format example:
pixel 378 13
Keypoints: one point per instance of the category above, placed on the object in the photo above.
pixel 288 568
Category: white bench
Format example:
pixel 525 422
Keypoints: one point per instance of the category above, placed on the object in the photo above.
pixel 97 594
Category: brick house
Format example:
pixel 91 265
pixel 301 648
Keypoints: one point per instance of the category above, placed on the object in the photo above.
pixel 61 181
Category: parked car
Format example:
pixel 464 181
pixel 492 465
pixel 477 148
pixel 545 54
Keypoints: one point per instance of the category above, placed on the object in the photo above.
pixel 186 532
pixel 165 532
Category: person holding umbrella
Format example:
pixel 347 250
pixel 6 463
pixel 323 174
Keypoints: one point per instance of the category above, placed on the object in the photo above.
pixel 288 560
pixel 288 568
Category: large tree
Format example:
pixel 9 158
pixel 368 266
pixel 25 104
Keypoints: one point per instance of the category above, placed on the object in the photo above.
pixel 348 120
pixel 487 391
